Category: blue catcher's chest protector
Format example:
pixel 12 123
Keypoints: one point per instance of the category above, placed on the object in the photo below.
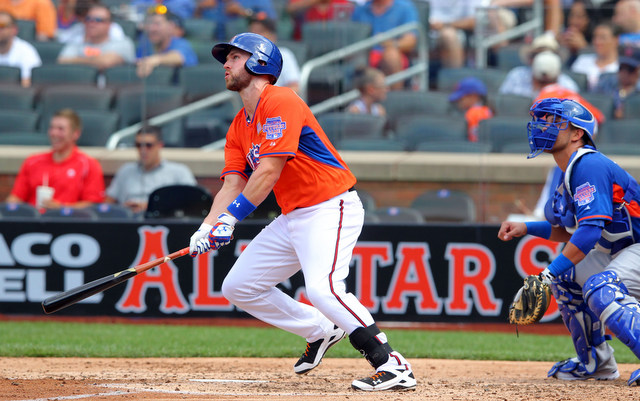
pixel 617 234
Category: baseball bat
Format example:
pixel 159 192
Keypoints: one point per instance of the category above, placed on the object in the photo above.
pixel 77 294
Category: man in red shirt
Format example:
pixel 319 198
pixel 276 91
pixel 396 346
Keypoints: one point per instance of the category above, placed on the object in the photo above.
pixel 76 178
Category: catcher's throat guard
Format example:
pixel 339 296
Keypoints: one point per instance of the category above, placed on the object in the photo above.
pixel 530 302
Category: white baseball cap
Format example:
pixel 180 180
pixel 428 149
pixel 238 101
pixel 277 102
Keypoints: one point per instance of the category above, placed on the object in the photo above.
pixel 546 65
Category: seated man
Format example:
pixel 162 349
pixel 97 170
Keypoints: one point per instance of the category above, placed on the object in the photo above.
pixel 134 181
pixel 73 178
pixel 16 52
pixel 160 46
pixel 98 49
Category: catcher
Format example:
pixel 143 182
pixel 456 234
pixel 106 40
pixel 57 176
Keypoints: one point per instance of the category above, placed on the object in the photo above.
pixel 596 212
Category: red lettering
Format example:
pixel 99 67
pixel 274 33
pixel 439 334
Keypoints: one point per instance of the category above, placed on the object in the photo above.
pixel 204 297
pixel 471 269
pixel 412 277
pixel 367 257
pixel 164 277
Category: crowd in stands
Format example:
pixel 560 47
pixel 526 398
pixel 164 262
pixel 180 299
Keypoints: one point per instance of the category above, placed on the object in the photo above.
pixel 590 50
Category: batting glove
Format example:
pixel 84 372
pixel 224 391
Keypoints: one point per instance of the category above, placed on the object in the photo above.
pixel 222 232
pixel 196 244
pixel 546 277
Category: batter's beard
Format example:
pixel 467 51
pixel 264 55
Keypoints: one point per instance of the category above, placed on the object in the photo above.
pixel 238 83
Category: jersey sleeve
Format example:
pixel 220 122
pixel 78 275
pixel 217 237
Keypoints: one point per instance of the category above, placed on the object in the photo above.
pixel 235 160
pixel 592 190
pixel 283 123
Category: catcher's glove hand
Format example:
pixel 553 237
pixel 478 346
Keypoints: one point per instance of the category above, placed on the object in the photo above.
pixel 530 302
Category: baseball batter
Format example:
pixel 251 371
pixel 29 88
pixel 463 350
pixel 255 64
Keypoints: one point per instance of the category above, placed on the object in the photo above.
pixel 595 210
pixel 275 143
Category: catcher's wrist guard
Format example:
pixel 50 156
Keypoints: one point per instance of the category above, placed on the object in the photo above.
pixel 531 302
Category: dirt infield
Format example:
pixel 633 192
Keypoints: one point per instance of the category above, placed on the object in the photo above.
pixel 250 379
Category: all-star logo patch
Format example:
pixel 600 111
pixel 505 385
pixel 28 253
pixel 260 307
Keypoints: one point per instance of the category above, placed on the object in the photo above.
pixel 273 128
pixel 584 194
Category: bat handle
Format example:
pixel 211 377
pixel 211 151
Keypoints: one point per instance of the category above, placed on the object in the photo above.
pixel 153 263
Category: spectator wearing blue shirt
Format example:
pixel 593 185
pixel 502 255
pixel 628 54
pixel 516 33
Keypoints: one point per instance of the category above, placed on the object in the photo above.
pixel 160 46
pixel 226 11
pixel 391 56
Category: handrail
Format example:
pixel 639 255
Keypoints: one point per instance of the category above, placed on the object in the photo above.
pixel 364 44
pixel 181 111
pixel 484 43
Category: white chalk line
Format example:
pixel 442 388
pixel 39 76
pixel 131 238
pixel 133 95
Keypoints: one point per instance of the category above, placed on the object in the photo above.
pixel 227 381
pixel 79 396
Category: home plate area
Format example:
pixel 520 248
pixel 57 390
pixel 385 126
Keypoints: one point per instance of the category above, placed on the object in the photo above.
pixel 253 379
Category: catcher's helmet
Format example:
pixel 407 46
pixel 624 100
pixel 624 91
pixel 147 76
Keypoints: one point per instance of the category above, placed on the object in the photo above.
pixel 265 56
pixel 543 134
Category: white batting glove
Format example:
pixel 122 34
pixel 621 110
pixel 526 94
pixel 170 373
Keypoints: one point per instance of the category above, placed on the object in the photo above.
pixel 199 243
pixel 546 277
pixel 222 232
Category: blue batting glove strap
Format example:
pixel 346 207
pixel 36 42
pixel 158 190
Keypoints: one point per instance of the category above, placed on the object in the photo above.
pixel 540 229
pixel 241 207
pixel 559 265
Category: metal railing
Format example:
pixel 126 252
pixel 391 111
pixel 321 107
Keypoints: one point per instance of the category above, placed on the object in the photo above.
pixel 485 40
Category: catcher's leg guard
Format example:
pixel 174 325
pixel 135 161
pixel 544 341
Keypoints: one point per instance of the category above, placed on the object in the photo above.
pixel 365 340
pixel 608 297
pixel 594 355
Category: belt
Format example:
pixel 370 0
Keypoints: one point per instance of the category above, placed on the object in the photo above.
pixel 351 189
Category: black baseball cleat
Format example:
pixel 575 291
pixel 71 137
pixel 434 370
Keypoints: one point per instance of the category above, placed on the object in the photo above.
pixel 315 351
pixel 391 379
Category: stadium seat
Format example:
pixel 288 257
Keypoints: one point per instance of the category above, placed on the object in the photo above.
pixel 97 127
pixel 602 102
pixel 445 205
pixel 368 201
pixel 69 213
pixel 18 120
pixel 130 28
pixel 298 48
pixel 419 129
pixel 179 201
pixel 506 104
pixel 508 56
pixel 399 215
pixel 235 26
pixel 520 146
pixel 26 29
pixel 202 130
pixel 30 138
pixel 580 79
pixel 203 51
pixel 200 81
pixel 10 75
pixel 501 130
pixel 125 75
pixel 631 107
pixel 623 131
pixel 329 81
pixel 109 211
pixel 18 211
pixel 341 125
pixel 459 146
pixel 16 97
pixel 404 104
pixel 621 149
pixel 55 98
pixel 449 77
pixel 199 29
pixel 371 144
pixel 48 50
pixel 267 210
pixel 63 74
pixel 323 37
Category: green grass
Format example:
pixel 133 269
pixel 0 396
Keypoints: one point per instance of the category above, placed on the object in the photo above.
pixel 37 339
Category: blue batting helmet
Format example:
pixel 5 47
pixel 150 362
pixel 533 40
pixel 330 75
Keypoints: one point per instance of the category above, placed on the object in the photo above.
pixel 265 56
pixel 543 133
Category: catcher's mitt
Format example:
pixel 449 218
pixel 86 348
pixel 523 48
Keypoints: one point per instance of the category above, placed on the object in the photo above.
pixel 530 302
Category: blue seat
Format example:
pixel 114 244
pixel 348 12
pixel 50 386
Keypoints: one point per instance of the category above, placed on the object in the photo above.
pixel 18 211
pixel 109 211
pixel 445 205
pixel 400 215
pixel 179 201
pixel 69 213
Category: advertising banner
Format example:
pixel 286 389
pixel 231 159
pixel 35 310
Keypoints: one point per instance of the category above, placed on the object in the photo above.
pixel 412 273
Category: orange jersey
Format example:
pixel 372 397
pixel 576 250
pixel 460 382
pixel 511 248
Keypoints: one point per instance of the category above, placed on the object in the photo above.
pixel 283 126
pixel 555 90
pixel 473 116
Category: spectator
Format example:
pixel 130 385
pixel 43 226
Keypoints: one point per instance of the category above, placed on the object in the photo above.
pixel 160 46
pixel 546 70
pixel 97 49
pixel 393 55
pixel 76 178
pixel 182 8
pixel 134 181
pixel 71 29
pixel 519 80
pixel 303 11
pixel 223 12
pixel 578 33
pixel 15 52
pixel 625 82
pixel 290 75
pixel 553 12
pixel 626 17
pixel 373 90
pixel 470 97
pixel 42 12
pixel 603 60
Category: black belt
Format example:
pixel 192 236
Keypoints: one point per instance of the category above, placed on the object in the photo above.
pixel 351 189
